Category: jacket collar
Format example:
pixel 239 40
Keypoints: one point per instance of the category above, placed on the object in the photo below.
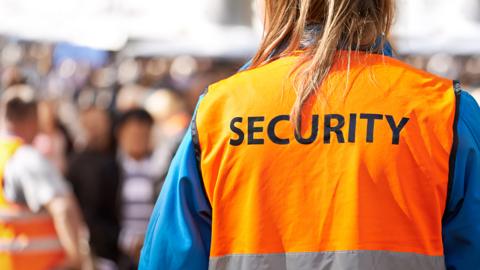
pixel 313 30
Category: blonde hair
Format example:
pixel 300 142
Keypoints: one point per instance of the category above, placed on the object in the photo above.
pixel 342 24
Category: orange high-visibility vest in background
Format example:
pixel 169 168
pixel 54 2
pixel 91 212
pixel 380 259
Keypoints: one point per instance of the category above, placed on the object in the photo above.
pixel 28 241
pixel 363 186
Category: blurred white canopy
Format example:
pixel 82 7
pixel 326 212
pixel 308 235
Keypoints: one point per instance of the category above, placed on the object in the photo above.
pixel 431 26
pixel 176 26
pixel 212 27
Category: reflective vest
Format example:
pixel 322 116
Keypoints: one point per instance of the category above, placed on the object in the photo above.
pixel 364 186
pixel 27 240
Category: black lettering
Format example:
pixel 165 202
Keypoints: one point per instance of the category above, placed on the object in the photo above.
pixel 352 131
pixel 238 131
pixel 252 130
pixel 271 130
pixel 371 118
pixel 396 129
pixel 314 134
pixel 328 129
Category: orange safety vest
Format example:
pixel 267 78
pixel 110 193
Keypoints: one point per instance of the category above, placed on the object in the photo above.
pixel 28 241
pixel 364 185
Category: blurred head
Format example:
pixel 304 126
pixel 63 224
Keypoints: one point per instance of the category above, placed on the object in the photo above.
pixel 163 103
pixel 96 124
pixel 11 76
pixel 134 133
pixel 342 24
pixel 131 97
pixel 169 112
pixel 19 112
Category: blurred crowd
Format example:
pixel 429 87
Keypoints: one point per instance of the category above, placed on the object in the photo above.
pixel 111 123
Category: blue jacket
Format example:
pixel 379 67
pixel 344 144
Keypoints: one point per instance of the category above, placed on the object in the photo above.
pixel 180 228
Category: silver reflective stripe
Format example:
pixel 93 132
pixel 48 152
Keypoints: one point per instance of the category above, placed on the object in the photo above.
pixel 21 216
pixel 344 260
pixel 20 244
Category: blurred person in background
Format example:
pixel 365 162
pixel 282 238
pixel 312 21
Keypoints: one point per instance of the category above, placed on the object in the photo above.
pixel 324 153
pixel 140 182
pixel 52 141
pixel 40 223
pixel 95 176
pixel 11 76
pixel 170 114
pixel 130 97
pixel 171 120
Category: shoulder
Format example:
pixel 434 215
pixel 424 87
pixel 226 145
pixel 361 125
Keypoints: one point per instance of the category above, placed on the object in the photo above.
pixel 467 142
pixel 244 89
pixel 28 162
pixel 427 94
pixel 410 74
pixel 469 109
pixel 468 118
pixel 269 74
pixel 29 158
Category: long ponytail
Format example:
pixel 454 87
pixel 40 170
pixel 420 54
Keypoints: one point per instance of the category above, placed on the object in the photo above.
pixel 343 24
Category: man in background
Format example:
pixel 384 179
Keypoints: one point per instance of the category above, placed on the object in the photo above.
pixel 95 177
pixel 40 224
pixel 140 181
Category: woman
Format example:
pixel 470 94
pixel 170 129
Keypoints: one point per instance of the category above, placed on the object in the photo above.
pixel 326 153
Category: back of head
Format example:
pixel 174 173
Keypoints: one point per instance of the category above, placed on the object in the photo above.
pixel 18 104
pixel 19 112
pixel 341 24
pixel 96 135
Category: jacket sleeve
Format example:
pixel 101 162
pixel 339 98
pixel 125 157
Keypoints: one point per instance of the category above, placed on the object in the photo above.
pixel 179 232
pixel 461 227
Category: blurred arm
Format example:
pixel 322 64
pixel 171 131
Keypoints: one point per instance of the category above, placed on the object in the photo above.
pixel 179 233
pixel 41 186
pixel 71 231
pixel 461 228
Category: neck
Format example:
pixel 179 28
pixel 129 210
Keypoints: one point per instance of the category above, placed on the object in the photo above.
pixel 18 133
